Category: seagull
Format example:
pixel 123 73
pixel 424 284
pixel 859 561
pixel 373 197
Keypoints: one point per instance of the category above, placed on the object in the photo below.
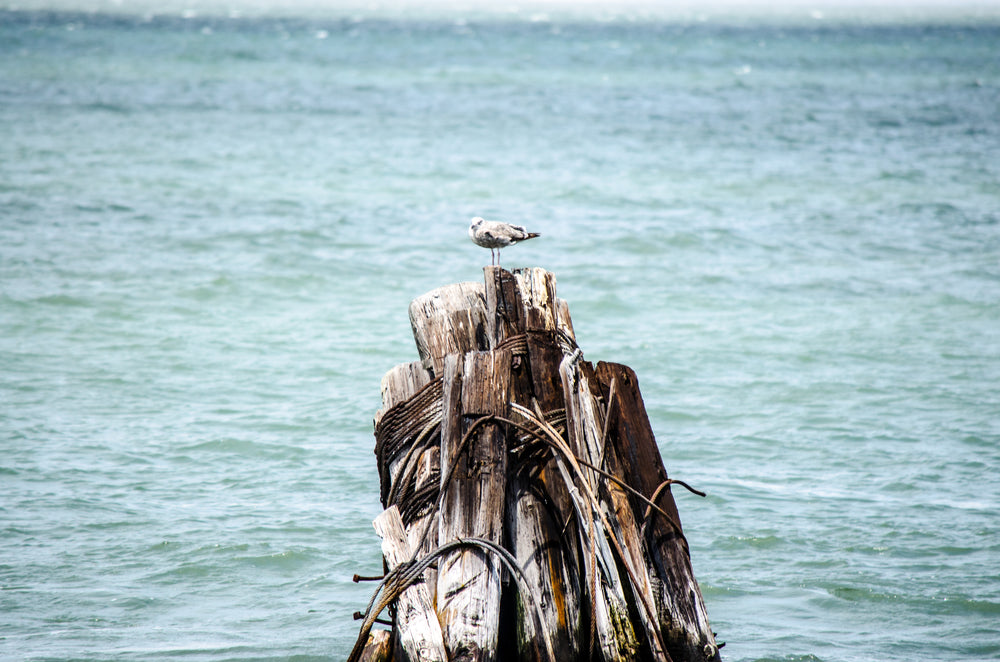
pixel 495 234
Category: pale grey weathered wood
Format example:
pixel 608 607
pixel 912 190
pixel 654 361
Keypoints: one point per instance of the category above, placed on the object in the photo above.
pixel 401 383
pixel 419 632
pixel 504 314
pixel 469 583
pixel 448 320
pixel 537 288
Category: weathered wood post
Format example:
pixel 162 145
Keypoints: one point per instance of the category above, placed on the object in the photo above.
pixel 528 510
pixel 473 483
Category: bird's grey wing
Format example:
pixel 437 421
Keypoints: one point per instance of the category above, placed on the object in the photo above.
pixel 518 232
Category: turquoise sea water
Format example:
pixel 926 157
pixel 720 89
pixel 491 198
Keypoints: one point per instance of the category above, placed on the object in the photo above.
pixel 211 226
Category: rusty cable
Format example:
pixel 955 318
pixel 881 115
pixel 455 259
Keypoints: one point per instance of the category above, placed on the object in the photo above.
pixel 399 424
pixel 408 573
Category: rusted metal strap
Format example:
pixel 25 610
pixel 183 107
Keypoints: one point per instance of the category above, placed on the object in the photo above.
pixel 516 345
pixel 406 574
pixel 402 425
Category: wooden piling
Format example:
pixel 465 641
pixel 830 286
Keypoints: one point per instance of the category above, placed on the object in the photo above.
pixel 418 629
pixel 528 508
pixel 473 483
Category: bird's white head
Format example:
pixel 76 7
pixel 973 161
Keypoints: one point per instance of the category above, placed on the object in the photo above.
pixel 476 222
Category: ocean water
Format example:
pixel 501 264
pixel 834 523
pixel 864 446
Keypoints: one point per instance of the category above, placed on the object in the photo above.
pixel 212 223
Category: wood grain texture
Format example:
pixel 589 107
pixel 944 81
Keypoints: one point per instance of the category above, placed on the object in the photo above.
pixel 472 504
pixel 460 460
pixel 683 616
pixel 401 383
pixel 537 289
pixel 419 632
pixel 448 320
pixel 504 312
pixel 616 633
pixel 378 648
pixel 542 532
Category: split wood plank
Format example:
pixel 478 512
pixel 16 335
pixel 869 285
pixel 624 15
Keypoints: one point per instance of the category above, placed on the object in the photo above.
pixel 473 483
pixel 400 384
pixel 378 648
pixel 623 520
pixel 683 616
pixel 419 632
pixel 504 313
pixel 564 324
pixel 448 320
pixel 537 289
pixel 616 634
pixel 541 531
pixel 413 474
pixel 545 552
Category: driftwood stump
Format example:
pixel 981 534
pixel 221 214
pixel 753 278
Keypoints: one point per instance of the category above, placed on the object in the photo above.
pixel 528 512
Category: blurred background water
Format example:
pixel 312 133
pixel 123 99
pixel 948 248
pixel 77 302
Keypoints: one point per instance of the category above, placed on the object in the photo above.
pixel 212 223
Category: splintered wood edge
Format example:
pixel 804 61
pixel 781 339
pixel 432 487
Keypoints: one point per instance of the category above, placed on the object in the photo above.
pixel 401 383
pixel 389 527
pixel 378 648
pixel 563 320
pixel 537 287
pixel 435 311
pixel 417 625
